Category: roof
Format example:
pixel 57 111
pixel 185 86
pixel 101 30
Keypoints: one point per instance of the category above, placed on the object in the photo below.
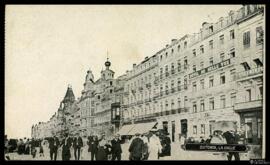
pixel 69 95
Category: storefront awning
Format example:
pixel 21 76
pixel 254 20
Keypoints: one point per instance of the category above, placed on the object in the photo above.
pixel 142 128
pixel 125 129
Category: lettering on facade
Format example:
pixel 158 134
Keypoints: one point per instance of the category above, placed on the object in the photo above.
pixel 210 68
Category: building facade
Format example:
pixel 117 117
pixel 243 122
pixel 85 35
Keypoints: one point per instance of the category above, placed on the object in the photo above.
pixel 185 88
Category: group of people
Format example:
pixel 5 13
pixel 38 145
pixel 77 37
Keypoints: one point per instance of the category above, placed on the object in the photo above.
pixel 149 146
pixel 228 137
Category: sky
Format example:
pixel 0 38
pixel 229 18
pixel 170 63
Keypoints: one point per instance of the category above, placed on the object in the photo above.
pixel 48 47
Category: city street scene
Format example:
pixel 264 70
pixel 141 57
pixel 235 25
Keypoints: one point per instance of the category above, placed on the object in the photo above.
pixel 134 83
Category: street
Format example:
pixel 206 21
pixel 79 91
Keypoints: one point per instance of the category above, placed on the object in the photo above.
pixel 176 154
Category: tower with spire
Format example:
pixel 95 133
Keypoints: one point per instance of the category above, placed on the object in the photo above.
pixel 107 73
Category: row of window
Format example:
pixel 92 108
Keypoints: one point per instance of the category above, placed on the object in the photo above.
pixel 259 37
pixel 172 51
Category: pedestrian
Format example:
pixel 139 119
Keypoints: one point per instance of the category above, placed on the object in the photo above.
pixel 202 139
pixel 108 150
pixel 145 146
pixel 116 148
pixel 154 146
pixel 209 139
pixel 101 153
pixel 66 144
pixel 41 151
pixel 33 148
pixel 136 148
pixel 77 144
pixel 94 148
pixel 53 146
pixel 27 147
pixel 166 145
pixel 232 138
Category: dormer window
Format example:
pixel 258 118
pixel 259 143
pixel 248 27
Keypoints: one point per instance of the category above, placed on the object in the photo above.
pixel 211 29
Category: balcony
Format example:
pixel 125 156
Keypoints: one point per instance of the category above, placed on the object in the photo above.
pixel 140 88
pixel 247 106
pixel 249 73
pixel 172 71
pixel 148 85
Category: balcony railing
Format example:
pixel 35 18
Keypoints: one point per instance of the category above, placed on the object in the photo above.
pixel 248 105
pixel 249 73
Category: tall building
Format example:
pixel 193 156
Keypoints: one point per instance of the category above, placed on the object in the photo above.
pixel 184 89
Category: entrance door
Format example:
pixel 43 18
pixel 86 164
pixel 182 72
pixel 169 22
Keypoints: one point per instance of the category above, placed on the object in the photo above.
pixel 173 131
pixel 184 127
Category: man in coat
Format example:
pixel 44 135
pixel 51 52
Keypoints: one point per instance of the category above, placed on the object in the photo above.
pixel 94 148
pixel 53 146
pixel 77 144
pixel 116 148
pixel 232 138
pixel 136 148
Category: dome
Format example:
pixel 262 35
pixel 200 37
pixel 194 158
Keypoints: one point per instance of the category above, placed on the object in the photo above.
pixel 107 63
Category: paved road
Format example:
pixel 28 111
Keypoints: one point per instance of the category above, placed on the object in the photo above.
pixel 177 154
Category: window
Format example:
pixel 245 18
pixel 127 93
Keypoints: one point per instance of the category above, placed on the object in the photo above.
pixel 202 106
pixel 185 44
pixel 222 101
pixel 222 56
pixel 211 62
pixel 194 68
pixel 179 65
pixel 179 84
pixel 172 51
pixel 202 128
pixel 160 57
pixel 221 39
pixel 185 63
pixel 232 34
pixel 178 48
pixel 161 72
pixel 194 89
pixel 110 83
pixel 172 104
pixel 111 91
pixel 98 97
pixel 178 103
pixel 185 101
pixel 248 95
pixel 211 103
pixel 233 99
pixel 211 44
pixel 194 129
pixel 172 68
pixel 246 66
pixel 166 105
pixel 232 72
pixel 246 39
pixel 201 65
pixel 172 85
pixel 232 53
pixel 202 83
pixel 194 52
pixel 261 92
pixel 194 107
pixel 259 35
pixel 201 49
pixel 211 81
pixel 211 29
pixel 222 78
pixel 258 62
pixel 166 55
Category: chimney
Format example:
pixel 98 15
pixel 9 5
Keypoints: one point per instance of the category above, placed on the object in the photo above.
pixel 134 65
pixel 167 45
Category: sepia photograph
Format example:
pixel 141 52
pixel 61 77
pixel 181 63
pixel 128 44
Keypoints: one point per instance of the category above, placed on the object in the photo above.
pixel 135 82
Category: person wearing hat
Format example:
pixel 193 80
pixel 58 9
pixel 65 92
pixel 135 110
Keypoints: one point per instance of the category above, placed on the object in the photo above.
pixel 136 148
pixel 101 151
pixel 232 138
pixel 154 146
pixel 66 144
pixel 77 144
pixel 116 148
pixel 53 145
